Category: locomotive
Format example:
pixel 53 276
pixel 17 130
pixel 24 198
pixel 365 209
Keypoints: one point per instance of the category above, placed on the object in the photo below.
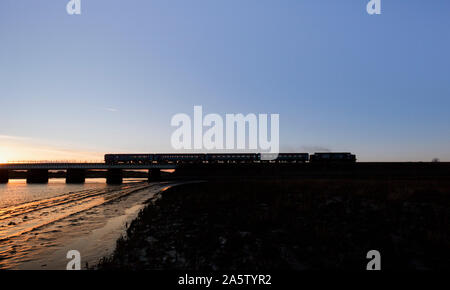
pixel 193 158
pixel 332 157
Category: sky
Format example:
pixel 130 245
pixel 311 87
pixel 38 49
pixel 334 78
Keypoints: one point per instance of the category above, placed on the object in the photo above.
pixel 73 87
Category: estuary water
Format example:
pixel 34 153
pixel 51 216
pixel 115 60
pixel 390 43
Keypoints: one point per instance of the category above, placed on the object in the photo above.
pixel 40 223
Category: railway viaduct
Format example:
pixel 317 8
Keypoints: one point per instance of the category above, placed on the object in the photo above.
pixel 76 172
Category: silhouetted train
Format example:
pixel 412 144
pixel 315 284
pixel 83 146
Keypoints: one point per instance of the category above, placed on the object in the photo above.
pixel 192 158
pixel 332 156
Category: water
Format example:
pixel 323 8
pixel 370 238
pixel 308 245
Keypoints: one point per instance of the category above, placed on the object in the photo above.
pixel 39 223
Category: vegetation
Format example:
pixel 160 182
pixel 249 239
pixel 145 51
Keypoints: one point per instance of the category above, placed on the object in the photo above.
pixel 290 224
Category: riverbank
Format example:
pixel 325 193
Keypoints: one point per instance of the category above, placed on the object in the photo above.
pixel 255 225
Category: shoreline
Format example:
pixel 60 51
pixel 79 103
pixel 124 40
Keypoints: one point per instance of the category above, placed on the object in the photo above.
pixel 91 229
pixel 288 224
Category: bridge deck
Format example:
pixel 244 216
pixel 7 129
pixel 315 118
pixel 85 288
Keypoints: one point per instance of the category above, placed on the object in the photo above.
pixel 63 166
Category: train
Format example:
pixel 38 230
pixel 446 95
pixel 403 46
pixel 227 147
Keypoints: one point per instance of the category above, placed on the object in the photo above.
pixel 212 158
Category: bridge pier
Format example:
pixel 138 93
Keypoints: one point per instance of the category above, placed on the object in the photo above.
pixel 154 175
pixel 37 176
pixel 75 176
pixel 4 175
pixel 114 176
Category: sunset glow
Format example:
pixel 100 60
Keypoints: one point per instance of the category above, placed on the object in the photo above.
pixel 4 155
pixel 27 150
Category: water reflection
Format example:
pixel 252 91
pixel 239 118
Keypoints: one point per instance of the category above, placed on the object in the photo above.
pixel 37 221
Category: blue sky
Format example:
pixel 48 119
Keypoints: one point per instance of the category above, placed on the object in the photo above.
pixel 110 79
